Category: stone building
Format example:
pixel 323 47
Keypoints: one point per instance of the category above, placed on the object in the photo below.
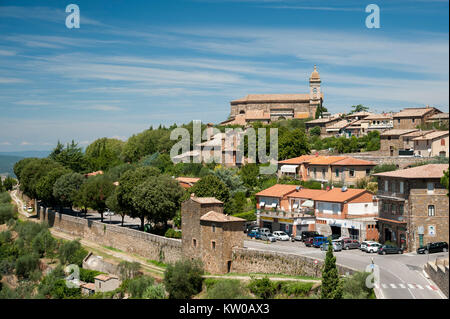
pixel 411 118
pixel 272 107
pixel 392 143
pixel 210 235
pixel 105 283
pixel 432 144
pixel 379 122
pixel 323 123
pixel 413 206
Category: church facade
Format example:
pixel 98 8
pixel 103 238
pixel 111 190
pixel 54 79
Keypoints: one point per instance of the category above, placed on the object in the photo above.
pixel 266 108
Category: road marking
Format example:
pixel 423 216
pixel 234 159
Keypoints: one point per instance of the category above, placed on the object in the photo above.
pixel 402 286
pixel 419 286
pixel 411 286
pixel 384 286
pixel 393 286
pixel 429 288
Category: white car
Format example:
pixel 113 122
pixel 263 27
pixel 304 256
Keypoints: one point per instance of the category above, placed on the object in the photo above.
pixel 109 213
pixel 372 247
pixel 281 235
pixel 363 245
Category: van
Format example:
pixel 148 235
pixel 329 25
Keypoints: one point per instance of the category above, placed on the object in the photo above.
pixel 264 230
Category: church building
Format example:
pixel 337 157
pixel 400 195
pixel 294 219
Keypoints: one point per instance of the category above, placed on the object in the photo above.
pixel 266 108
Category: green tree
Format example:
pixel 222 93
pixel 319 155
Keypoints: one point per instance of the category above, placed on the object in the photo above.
pixel 230 177
pixel 319 111
pixel 211 186
pixel 444 179
pixel 66 187
pixel 71 252
pixel 104 153
pixel 292 144
pixel 128 270
pixel 137 286
pixel 249 174
pixel 183 279
pixel 44 244
pixel 112 203
pixel 359 108
pixel 154 292
pixel 19 166
pixel 331 287
pixel 44 188
pixel 263 288
pixel 94 192
pixel 315 131
pixel 9 183
pixel 354 287
pixel 226 289
pixel 157 199
pixel 26 264
pixel 70 156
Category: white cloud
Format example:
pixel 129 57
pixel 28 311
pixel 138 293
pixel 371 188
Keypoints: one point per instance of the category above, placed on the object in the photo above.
pixel 11 80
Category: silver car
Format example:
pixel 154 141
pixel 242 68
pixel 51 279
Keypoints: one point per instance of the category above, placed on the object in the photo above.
pixel 268 237
pixel 337 245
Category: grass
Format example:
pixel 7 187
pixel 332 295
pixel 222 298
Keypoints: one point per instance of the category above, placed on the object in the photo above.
pixel 273 275
pixel 113 249
pixel 156 263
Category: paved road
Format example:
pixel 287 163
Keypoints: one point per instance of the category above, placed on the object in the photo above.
pixel 401 276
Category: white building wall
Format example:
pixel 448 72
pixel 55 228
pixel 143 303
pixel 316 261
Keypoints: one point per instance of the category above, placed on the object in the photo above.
pixel 362 209
pixel 329 208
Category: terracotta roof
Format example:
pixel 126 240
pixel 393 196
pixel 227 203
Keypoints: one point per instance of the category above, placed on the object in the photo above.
pixel 88 285
pixel 297 160
pixel 414 112
pixel 277 190
pixel 424 171
pixel 363 113
pixel 252 98
pixel 324 120
pixel 439 116
pixel 326 160
pixel 213 216
pixel 339 125
pixel 94 173
pixel 307 193
pixel 417 133
pixel 431 136
pixel 351 161
pixel 378 117
pixel 206 200
pixel 105 277
pixel 336 195
pixel 398 132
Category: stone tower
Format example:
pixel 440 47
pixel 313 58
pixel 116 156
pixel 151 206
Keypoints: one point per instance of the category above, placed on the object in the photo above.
pixel 314 89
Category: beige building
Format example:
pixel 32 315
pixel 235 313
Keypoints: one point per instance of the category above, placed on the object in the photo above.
pixel 272 107
pixel 209 235
pixel 379 122
pixel 105 283
pixel 411 118
pixel 391 141
pixel 323 123
pixel 432 144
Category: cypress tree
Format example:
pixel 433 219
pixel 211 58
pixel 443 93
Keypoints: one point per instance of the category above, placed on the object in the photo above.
pixel 331 284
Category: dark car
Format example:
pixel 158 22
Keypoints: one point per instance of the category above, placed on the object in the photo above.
pixel 308 234
pixel 348 243
pixel 254 234
pixel 433 248
pixel 387 249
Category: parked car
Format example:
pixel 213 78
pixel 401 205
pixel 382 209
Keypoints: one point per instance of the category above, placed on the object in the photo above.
pixel 387 249
pixel 296 238
pixel 363 244
pixel 348 243
pixel 281 235
pixel 334 236
pixel 268 237
pixel 319 240
pixel 109 213
pixel 337 246
pixel 309 242
pixel 252 227
pixel 433 248
pixel 264 231
pixel 308 234
pixel 254 234
pixel 372 247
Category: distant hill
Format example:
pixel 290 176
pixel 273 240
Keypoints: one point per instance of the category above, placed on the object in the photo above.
pixel 7 164
pixel 39 154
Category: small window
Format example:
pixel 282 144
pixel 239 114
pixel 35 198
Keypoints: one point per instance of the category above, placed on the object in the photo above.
pixel 386 186
pixel 443 142
pixel 413 120
pixel 367 171
pixel 337 172
pixel 398 121
pixel 351 172
pixel 402 186
pixel 194 242
pixel 430 187
pixel 213 245
pixel 213 228
pixel 431 211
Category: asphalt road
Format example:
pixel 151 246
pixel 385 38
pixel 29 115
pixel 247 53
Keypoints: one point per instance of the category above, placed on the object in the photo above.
pixel 401 276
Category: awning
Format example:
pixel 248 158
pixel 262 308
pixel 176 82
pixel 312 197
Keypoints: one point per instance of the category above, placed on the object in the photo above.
pixel 295 205
pixel 289 168
pixel 308 203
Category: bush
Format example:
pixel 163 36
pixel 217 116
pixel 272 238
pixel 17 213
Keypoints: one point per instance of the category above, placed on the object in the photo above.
pixel 172 233
pixel 354 287
pixel 263 288
pixel 6 212
pixel 137 286
pixel 71 252
pixel 44 243
pixel 88 275
pixel 26 264
pixel 184 279
pixel 297 288
pixel 128 270
pixel 154 292
pixel 5 198
pixel 226 289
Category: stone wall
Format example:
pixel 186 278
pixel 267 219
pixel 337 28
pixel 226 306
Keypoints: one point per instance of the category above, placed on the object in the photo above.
pixel 438 273
pixel 129 240
pixel 379 159
pixel 260 261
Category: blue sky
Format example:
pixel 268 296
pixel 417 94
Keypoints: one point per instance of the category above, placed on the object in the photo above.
pixel 133 64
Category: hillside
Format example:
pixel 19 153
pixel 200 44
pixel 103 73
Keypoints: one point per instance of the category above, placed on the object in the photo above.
pixel 7 163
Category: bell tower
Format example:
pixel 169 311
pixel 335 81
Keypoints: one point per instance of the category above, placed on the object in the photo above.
pixel 315 94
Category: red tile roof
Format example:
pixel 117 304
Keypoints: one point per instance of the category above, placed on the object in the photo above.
pixel 424 171
pixel 297 160
pixel 213 216
pixel 277 190
pixel 336 195
pixel 326 160
pixel 350 161
pixel 307 193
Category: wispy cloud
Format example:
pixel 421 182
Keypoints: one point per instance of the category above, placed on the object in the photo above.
pixel 11 80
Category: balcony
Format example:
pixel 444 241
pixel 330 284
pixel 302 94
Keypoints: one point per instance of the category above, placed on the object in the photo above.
pixel 391 195
pixel 286 214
